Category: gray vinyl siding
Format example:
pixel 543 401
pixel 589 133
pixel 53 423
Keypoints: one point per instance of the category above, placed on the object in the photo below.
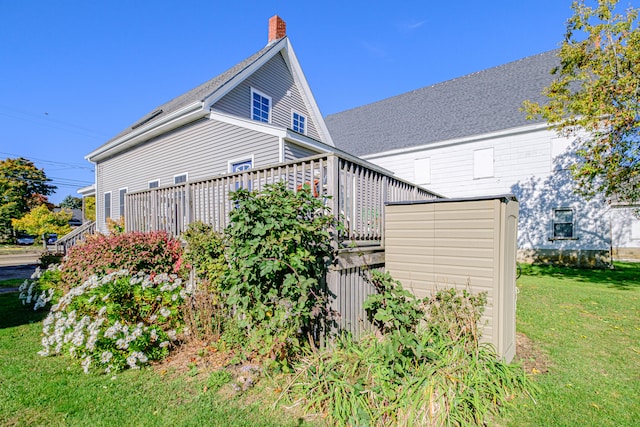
pixel 293 152
pixel 201 149
pixel 273 79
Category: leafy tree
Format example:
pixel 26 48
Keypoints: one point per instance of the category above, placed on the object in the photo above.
pixel 90 208
pixel 40 221
pixel 22 187
pixel 595 98
pixel 71 202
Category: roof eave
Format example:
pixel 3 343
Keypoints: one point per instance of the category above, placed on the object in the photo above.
pixel 175 119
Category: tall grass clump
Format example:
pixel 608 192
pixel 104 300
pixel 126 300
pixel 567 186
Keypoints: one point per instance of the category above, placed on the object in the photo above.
pixel 424 366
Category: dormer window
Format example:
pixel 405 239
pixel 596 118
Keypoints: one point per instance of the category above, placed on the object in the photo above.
pixel 298 122
pixel 260 106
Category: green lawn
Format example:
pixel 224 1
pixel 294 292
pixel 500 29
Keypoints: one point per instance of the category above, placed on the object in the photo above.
pixel 587 323
pixel 46 391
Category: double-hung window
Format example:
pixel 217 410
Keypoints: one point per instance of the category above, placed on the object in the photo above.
pixel 122 194
pixel 260 106
pixel 107 205
pixel 298 122
pixel 563 224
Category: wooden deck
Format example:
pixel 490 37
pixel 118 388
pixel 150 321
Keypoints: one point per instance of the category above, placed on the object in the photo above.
pixel 354 190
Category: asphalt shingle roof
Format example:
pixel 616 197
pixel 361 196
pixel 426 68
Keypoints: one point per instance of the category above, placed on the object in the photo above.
pixel 199 93
pixel 481 102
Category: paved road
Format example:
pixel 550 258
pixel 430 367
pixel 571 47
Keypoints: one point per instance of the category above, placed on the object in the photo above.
pixel 18 266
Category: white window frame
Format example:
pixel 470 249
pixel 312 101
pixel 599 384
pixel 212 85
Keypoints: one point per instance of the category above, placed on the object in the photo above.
pixel 232 162
pixel 186 178
pixel 151 182
pixel 104 205
pixel 121 200
pixel 481 164
pixel 264 95
pixel 306 120
pixel 553 224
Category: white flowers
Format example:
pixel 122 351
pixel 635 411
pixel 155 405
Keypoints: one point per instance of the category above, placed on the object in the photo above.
pixel 108 326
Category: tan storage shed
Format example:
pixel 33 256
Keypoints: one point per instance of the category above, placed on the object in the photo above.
pixel 443 243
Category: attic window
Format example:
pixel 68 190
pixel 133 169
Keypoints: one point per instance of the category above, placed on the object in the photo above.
pixel 148 119
pixel 260 106
pixel 298 123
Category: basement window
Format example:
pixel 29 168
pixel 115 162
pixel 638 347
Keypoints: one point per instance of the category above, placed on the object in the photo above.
pixel 179 179
pixel 563 224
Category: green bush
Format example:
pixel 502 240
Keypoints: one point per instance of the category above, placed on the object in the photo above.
pixel 116 321
pixel 278 250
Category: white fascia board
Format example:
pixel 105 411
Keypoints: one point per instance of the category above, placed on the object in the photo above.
pixel 254 125
pixel 301 82
pixel 457 141
pixel 171 121
pixel 242 75
pixel 89 190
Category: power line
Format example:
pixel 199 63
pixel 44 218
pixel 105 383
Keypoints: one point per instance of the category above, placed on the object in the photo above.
pixel 57 124
pixel 71 165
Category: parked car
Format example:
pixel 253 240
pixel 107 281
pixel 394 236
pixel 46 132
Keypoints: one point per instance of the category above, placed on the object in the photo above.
pixel 25 240
pixel 52 238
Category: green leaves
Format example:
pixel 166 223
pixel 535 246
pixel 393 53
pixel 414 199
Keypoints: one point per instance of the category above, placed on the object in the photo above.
pixel 277 246
pixel 595 98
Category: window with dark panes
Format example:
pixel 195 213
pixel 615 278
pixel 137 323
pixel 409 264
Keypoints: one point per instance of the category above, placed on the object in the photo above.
pixel 563 223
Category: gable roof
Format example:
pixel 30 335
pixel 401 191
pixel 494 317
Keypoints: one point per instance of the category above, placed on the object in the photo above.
pixel 196 103
pixel 478 103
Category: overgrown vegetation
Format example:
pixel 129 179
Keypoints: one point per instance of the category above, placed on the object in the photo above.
pixel 425 367
pixel 278 251
pixel 119 301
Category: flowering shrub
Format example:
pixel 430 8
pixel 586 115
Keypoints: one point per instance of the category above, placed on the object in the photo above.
pixel 155 252
pixel 116 321
pixel 42 288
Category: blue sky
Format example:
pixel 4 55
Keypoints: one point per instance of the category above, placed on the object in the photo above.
pixel 75 73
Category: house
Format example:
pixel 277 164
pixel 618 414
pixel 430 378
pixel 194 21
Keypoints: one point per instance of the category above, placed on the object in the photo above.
pixel 259 112
pixel 468 137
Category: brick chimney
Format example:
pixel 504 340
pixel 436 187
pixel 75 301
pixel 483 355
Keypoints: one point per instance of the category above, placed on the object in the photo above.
pixel 277 28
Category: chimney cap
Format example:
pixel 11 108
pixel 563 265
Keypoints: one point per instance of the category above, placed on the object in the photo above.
pixel 277 28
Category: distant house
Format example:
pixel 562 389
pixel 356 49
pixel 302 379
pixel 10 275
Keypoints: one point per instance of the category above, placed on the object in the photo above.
pixel 468 137
pixel 259 112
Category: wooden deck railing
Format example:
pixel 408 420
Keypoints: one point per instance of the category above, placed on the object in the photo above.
pixel 353 189
pixel 76 235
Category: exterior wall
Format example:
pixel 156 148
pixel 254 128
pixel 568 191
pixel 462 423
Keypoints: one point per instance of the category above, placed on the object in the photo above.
pixel 273 79
pixel 201 149
pixel 532 166
pixel 293 152
pixel 625 232
pixel 467 244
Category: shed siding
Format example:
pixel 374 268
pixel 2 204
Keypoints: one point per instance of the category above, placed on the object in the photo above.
pixel 275 80
pixel 463 245
pixel 200 149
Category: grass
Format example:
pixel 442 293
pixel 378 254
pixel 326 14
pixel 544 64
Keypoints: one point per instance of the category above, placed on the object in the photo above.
pixel 46 391
pixel 11 283
pixel 586 322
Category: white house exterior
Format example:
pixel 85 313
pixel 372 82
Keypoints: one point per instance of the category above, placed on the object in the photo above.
pixel 468 137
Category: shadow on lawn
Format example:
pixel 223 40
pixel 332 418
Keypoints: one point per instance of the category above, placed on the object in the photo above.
pixel 624 275
pixel 15 314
